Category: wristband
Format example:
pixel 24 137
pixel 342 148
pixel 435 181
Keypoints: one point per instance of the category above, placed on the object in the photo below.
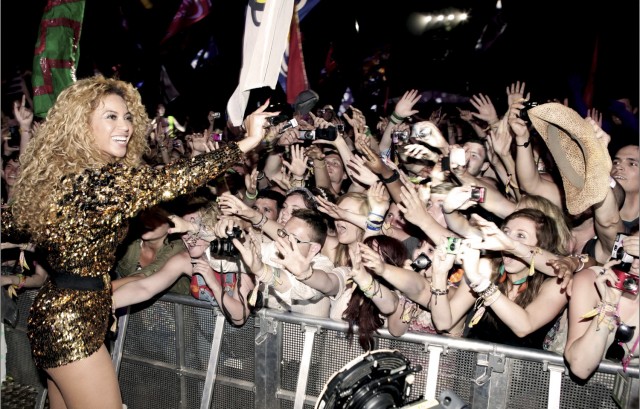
pixel 251 196
pixel 526 144
pixel 481 285
pixel 395 176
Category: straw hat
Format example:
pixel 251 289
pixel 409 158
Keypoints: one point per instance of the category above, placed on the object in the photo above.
pixel 583 161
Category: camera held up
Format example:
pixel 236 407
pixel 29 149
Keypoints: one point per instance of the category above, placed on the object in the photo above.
pixel 224 247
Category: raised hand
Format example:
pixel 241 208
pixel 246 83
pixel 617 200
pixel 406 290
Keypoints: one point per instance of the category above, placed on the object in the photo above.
pixel 360 172
pixel 255 125
pixel 515 93
pixel 23 114
pixel 417 151
pixel 378 198
pixel 429 133
pixel 500 139
pixel 250 252
pixel 485 108
pixel 518 125
pixel 602 137
pixel 412 207
pixel 371 259
pixel 493 238
pixel 298 165
pixel 232 206
pixel 371 160
pixel 291 257
pixel 458 198
pixel 404 107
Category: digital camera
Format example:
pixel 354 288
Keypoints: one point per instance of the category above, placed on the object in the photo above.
pixel 627 282
pixel 524 112
pixel 477 194
pixel 400 136
pixel 453 245
pixel 327 134
pixel 422 262
pixel 618 253
pixel 224 247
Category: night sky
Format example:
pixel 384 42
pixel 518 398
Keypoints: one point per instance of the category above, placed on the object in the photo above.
pixel 547 46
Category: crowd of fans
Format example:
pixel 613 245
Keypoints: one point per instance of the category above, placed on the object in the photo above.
pixel 515 224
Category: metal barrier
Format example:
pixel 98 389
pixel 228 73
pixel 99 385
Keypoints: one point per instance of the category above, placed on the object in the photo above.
pixel 177 352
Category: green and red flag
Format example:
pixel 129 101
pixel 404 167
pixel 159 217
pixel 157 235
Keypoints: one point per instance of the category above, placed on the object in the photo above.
pixel 57 52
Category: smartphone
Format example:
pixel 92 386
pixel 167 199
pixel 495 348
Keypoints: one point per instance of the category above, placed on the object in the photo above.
pixel 445 164
pixel 458 157
pixel 477 194
pixel 627 282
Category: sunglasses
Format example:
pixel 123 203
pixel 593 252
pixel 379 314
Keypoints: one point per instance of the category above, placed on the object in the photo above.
pixel 282 233
pixel 616 351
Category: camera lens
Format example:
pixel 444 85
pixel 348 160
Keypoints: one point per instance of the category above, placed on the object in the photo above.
pixel 630 284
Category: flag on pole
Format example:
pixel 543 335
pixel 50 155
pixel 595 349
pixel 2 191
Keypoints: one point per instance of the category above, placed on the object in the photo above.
pixel 266 27
pixel 296 73
pixel 57 52
pixel 293 72
pixel 190 12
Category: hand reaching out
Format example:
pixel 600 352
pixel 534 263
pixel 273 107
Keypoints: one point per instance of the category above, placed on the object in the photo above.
pixel 404 107
pixel 485 108
pixel 429 133
pixel 298 165
pixel 515 93
pixel 378 198
pixel 360 172
pixel 371 160
pixel 417 151
pixel 251 252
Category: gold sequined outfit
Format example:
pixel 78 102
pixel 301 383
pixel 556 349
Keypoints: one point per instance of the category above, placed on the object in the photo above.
pixel 88 221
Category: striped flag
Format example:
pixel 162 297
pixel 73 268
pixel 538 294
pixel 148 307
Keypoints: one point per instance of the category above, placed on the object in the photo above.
pixel 57 52
pixel 190 12
pixel 266 27
pixel 293 74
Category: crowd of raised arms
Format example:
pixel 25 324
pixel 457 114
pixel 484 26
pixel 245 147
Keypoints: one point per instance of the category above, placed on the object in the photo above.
pixel 483 222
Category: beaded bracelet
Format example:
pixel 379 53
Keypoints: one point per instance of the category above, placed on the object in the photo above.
pixel 436 292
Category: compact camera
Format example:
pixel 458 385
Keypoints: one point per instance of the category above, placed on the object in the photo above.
pixel 327 134
pixel 618 253
pixel 477 194
pixel 422 262
pixel 400 136
pixel 224 247
pixel 524 115
pixel 453 245
pixel 627 282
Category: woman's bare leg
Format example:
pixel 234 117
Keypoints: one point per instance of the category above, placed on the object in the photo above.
pixel 55 397
pixel 88 383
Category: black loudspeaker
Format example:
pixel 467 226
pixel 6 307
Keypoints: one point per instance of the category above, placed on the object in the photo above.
pixel 379 379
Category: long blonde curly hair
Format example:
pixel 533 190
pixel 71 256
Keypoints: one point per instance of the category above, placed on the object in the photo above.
pixel 64 144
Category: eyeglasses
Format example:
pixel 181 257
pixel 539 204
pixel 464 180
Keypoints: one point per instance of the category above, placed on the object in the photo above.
pixel 282 233
pixel 616 351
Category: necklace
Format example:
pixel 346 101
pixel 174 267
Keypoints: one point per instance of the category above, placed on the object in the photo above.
pixel 520 281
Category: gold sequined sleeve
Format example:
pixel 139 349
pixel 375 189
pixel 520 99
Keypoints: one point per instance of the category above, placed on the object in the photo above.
pixel 147 186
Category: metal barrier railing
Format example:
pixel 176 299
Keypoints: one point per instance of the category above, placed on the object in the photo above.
pixel 177 352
